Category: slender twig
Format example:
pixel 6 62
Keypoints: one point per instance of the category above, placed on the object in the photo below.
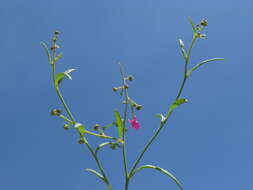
pixel 124 122
pixel 73 121
pixel 168 114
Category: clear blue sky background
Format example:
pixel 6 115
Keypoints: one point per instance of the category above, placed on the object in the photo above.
pixel 207 143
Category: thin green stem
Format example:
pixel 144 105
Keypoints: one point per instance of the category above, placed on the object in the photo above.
pixel 124 123
pixel 98 135
pixel 99 165
pixel 162 124
pixel 186 67
pixel 87 131
pixel 73 121
pixel 60 96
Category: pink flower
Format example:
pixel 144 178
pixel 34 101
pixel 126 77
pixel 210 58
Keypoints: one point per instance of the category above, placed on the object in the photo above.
pixel 135 124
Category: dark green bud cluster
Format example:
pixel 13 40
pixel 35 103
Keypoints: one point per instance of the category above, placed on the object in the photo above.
pixel 54 40
pixel 115 89
pixel 200 27
pixel 56 112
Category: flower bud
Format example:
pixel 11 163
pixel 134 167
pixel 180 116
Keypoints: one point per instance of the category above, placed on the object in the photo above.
pixel 181 43
pixel 126 86
pixel 56 32
pixel 115 89
pixel 96 127
pixel 81 141
pixel 56 112
pixel 204 23
pixel 199 35
pixel 66 126
pixel 134 104
pixel 138 107
pixel 113 146
pixel 130 78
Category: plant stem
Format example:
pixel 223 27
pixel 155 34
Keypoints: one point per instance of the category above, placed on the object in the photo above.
pixel 73 121
pixel 168 114
pixel 124 124
pixel 99 165
pixel 60 96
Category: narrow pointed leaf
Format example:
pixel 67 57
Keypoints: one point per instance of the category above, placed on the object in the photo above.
pixel 177 103
pixel 161 116
pixel 119 123
pixel 160 170
pixel 102 145
pixel 202 63
pixel 95 173
pixel 60 76
pixel 44 45
pixel 67 72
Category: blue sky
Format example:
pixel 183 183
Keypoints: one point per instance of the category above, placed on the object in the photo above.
pixel 207 143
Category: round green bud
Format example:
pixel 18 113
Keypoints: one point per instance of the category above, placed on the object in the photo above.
pixel 199 35
pixel 115 89
pixel 138 107
pixel 126 86
pixel 134 104
pixel 56 32
pixel 96 127
pixel 130 78
pixel 66 126
pixel 113 146
pixel 204 23
pixel 56 112
pixel 81 141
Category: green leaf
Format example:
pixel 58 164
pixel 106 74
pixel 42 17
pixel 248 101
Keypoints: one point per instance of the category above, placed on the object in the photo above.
pixel 80 128
pixel 177 103
pixel 96 173
pixel 161 116
pixel 44 45
pixel 193 25
pixel 202 63
pixel 60 76
pixel 160 170
pixel 102 145
pixel 119 123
